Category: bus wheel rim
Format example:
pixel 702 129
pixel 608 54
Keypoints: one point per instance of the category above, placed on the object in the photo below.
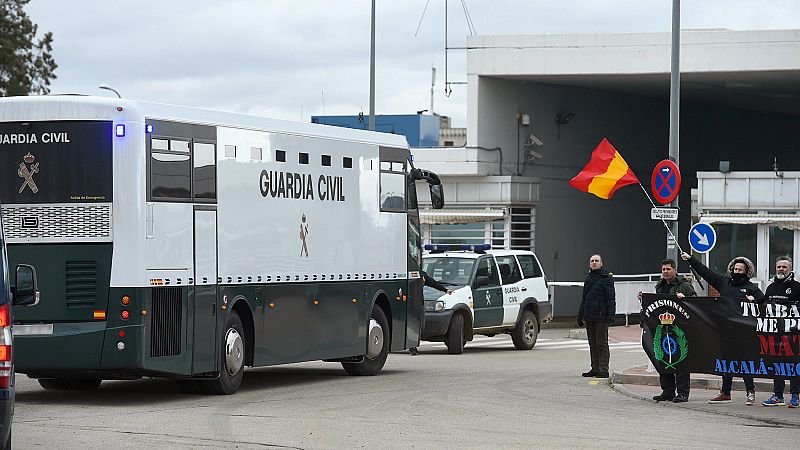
pixel 234 351
pixel 375 344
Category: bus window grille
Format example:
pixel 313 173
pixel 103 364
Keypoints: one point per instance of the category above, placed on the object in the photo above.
pixel 165 332
pixel 81 283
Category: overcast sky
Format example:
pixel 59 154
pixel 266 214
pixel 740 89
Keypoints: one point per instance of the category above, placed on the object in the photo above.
pixel 293 58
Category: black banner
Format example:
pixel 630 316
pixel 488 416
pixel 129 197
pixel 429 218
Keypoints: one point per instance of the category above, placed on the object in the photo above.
pixel 56 162
pixel 721 335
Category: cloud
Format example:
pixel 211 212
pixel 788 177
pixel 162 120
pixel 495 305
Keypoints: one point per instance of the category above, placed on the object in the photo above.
pixel 277 57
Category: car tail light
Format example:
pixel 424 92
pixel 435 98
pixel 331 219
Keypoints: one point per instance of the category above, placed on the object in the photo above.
pixel 5 317
pixel 5 346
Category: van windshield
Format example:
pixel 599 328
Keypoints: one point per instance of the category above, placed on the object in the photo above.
pixel 449 271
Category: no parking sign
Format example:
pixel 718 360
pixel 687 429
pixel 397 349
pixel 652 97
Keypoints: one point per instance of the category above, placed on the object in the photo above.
pixel 666 181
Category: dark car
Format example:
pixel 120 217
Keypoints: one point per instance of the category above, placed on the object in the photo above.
pixel 25 293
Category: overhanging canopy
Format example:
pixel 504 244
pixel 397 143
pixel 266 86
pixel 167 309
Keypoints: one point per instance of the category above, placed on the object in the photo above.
pixel 785 221
pixel 453 216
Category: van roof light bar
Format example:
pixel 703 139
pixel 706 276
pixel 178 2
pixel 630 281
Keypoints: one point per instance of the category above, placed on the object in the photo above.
pixel 441 248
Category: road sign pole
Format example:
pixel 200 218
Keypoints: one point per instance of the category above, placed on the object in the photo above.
pixel 674 110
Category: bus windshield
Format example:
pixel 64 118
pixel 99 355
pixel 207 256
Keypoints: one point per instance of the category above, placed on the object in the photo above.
pixel 450 271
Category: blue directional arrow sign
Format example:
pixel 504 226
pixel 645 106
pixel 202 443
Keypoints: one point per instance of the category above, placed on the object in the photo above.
pixel 702 237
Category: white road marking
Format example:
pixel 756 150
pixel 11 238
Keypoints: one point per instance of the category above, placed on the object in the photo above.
pixel 504 341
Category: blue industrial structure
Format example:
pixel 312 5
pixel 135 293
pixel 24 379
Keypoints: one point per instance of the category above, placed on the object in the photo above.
pixel 420 130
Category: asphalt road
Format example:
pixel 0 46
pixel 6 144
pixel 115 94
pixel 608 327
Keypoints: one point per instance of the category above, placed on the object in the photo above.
pixel 492 396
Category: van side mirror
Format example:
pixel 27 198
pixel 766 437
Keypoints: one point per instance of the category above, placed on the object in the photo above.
pixel 481 280
pixel 437 196
pixel 25 290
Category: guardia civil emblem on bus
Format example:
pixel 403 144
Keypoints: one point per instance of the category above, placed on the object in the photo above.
pixel 166 242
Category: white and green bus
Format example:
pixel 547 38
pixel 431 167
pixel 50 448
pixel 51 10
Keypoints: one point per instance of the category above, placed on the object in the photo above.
pixel 186 243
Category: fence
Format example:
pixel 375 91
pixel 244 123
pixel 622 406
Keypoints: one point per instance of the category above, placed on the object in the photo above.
pixel 565 296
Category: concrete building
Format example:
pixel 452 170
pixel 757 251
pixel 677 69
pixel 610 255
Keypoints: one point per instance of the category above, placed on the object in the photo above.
pixel 539 104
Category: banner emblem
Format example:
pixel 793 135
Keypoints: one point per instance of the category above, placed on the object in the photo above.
pixel 668 340
pixel 27 174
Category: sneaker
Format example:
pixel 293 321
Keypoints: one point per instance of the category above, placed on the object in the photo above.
pixel 751 398
pixel 794 402
pixel 774 401
pixel 721 398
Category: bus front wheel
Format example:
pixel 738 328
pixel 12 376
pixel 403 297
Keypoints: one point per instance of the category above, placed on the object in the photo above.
pixel 233 345
pixel 377 346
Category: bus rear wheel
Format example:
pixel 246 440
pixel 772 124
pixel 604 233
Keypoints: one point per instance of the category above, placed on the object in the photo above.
pixel 378 339
pixel 68 384
pixel 233 345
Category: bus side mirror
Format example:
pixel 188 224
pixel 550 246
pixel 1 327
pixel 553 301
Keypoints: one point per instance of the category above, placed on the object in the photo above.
pixel 26 292
pixel 437 196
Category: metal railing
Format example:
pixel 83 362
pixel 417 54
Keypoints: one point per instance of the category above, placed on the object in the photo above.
pixel 565 296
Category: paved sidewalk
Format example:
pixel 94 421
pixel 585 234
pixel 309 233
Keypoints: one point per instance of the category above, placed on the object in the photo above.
pixel 637 382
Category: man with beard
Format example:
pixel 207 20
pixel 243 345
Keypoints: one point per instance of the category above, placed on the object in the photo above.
pixel 785 290
pixel 736 284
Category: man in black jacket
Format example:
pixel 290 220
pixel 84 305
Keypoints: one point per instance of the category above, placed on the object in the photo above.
pixel 597 310
pixel 785 290
pixel 736 283
pixel 673 284
pixel 428 281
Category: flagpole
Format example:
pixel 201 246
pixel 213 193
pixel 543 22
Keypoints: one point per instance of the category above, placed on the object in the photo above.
pixel 662 219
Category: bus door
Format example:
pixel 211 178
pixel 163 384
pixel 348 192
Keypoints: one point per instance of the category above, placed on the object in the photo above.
pixel 204 299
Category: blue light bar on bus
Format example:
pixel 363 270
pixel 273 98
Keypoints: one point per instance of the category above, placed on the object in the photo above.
pixel 456 247
pixel 148 128
pixel 119 130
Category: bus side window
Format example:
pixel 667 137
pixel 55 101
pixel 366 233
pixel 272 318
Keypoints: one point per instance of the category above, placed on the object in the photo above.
pixel 393 186
pixel 204 175
pixel 170 169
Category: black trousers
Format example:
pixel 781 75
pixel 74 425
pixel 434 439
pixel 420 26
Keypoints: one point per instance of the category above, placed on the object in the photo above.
pixel 672 381
pixel 597 332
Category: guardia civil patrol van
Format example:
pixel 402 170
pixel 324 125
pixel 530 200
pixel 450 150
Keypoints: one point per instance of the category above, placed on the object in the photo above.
pixel 493 292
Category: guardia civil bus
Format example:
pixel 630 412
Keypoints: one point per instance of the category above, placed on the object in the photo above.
pixel 186 243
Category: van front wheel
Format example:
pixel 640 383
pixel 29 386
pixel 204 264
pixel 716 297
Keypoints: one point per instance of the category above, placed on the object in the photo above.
pixel 454 340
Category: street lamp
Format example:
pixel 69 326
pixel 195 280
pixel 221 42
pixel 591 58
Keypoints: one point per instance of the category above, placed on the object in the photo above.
pixel 103 86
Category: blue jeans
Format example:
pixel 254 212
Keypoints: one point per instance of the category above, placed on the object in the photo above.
pixel 727 382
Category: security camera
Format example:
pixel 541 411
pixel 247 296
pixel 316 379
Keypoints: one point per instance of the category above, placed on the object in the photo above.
pixel 533 140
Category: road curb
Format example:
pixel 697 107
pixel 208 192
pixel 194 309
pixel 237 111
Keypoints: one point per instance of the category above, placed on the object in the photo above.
pixel 700 381
pixel 625 390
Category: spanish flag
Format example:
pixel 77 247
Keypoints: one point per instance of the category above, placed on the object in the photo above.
pixel 605 173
